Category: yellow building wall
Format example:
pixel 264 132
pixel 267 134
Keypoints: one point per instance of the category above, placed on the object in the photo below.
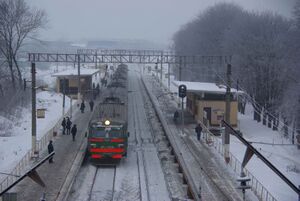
pixel 217 108
pixel 73 82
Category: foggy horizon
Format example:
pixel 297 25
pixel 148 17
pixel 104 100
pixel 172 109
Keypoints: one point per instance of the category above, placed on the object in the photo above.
pixel 153 21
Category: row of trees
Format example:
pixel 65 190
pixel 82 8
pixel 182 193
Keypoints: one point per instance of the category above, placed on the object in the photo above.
pixel 265 47
pixel 18 23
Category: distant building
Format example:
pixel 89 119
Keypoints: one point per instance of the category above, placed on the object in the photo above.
pixel 70 78
pixel 206 102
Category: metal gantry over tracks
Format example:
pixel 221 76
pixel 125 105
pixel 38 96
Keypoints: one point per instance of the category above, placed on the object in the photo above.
pixel 127 56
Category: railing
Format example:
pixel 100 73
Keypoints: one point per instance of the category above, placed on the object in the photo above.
pixel 259 190
pixel 26 160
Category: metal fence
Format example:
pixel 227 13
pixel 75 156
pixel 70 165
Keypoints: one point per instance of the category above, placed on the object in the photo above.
pixel 259 190
pixel 23 164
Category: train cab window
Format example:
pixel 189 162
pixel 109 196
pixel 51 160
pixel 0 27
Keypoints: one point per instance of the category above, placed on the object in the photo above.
pixel 115 133
pixel 97 132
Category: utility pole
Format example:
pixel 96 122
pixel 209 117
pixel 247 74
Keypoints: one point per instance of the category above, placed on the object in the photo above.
pixel 156 69
pixel 64 96
pixel 71 107
pixel 180 66
pixel 78 81
pixel 237 95
pixel 96 59
pixel 33 115
pixel 169 76
pixel 161 69
pixel 226 135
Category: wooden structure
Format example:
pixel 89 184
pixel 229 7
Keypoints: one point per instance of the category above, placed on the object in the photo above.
pixel 206 102
pixel 67 81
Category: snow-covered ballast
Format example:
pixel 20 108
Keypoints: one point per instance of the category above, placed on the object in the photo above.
pixel 69 80
pixel 206 102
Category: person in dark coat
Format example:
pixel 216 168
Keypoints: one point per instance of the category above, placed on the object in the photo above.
pixel 91 105
pixel 198 130
pixel 68 125
pixel 50 150
pixel 82 106
pixel 63 124
pixel 74 131
pixel 98 89
pixel 175 117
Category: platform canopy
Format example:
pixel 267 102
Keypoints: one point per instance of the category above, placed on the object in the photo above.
pixel 74 72
pixel 207 87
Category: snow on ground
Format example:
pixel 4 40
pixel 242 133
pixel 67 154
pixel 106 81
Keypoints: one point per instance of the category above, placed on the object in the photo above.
pixel 286 158
pixel 14 147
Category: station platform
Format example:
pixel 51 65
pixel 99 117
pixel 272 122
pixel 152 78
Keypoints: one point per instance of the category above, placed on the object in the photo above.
pixel 55 175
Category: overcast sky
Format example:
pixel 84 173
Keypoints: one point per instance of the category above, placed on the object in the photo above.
pixel 153 20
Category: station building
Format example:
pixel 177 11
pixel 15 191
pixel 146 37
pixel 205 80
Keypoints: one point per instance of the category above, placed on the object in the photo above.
pixel 89 78
pixel 206 102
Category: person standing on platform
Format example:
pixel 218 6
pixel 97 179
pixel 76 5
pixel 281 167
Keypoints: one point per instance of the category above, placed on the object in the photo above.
pixel 50 150
pixel 68 125
pixel 91 105
pixel 74 131
pixel 98 89
pixel 198 130
pixel 63 124
pixel 82 106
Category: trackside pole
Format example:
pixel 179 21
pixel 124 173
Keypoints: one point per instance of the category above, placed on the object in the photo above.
pixel 182 117
pixel 33 110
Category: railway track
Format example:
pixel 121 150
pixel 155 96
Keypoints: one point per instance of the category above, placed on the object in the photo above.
pixel 142 170
pixel 178 186
pixel 217 189
pixel 99 191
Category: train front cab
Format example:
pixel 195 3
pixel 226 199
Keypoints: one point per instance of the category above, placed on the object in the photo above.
pixel 108 141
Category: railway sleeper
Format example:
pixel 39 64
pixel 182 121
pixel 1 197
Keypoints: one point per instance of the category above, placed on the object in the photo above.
pixel 185 188
pixel 182 177
pixel 163 150
pixel 176 166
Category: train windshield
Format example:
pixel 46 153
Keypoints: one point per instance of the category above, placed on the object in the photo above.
pixel 115 133
pixel 97 132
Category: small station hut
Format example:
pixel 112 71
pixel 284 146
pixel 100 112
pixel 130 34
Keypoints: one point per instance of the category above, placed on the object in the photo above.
pixel 69 80
pixel 206 102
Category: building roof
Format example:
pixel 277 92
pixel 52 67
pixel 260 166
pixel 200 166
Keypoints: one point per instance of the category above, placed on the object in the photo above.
pixel 72 72
pixel 204 87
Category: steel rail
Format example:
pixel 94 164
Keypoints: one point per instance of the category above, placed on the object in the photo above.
pixel 192 190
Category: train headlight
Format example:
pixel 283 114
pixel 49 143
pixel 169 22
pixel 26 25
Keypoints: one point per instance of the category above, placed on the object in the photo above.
pixel 107 122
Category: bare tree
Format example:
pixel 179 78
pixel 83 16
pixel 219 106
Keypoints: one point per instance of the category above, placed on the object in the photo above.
pixel 296 13
pixel 17 23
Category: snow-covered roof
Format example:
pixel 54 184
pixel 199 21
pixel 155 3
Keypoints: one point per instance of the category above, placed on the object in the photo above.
pixel 204 87
pixel 70 72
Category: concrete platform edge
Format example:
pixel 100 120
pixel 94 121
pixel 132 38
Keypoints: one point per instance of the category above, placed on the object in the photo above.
pixel 67 186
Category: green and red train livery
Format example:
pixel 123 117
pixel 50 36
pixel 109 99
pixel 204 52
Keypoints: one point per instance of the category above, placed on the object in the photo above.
pixel 108 135
pixel 107 139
